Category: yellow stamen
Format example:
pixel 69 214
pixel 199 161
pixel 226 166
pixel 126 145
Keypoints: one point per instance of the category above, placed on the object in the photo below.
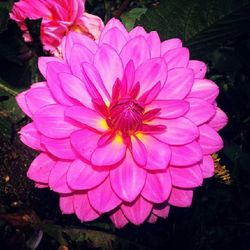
pixel 104 124
pixel 118 139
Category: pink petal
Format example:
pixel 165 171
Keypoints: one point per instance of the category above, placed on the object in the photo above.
pixel 110 154
pixel 205 90
pixel 83 209
pixel 128 77
pixel 53 69
pixel 178 84
pixel 191 151
pixel 51 122
pixel 83 176
pixel 158 153
pixel 150 73
pixel 179 131
pixel 118 219
pixel 114 23
pixel 109 65
pixel 60 148
pixel 37 98
pixel 188 177
pixel 177 58
pixel 199 111
pixel 57 177
pixel 154 43
pixel 180 197
pixel 161 210
pixel 152 219
pixel 209 140
pixel 114 38
pixel 86 116
pixel 79 55
pixel 21 101
pixel 127 180
pixel 43 61
pixel 66 204
pixel 40 168
pixel 84 142
pixel 138 150
pixel 136 50
pixel 31 137
pixel 103 198
pixel 38 85
pixel 219 120
pixel 138 211
pixel 207 166
pixel 157 187
pixel 138 31
pixel 170 108
pixel 170 44
pixel 75 89
pixel 199 68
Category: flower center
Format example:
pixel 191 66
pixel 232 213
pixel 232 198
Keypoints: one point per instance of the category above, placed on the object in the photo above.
pixel 126 115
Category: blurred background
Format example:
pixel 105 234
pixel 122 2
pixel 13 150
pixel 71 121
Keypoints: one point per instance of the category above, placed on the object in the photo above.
pixel 217 32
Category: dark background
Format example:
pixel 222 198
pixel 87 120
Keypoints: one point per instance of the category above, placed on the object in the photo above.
pixel 216 32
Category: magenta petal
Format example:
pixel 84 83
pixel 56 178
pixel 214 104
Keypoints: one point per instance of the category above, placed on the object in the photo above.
pixel 43 61
pixel 128 78
pixel 109 65
pixel 114 38
pixel 186 155
pixel 60 148
pixel 53 69
pixel 105 156
pixel 154 43
pixel 199 111
pixel 180 197
pixel 178 84
pixel 161 210
pixel 57 177
pixel 207 166
pixel 138 150
pixel 188 177
pixel 170 44
pixel 158 153
pixel 37 98
pixel 79 55
pixel 86 116
pixel 219 120
pixel 21 101
pixel 199 68
pixel 127 180
pixel 179 131
pixel 38 85
pixel 138 211
pixel 170 108
pixel 137 50
pixel 84 142
pixel 177 58
pixel 66 204
pixel 205 90
pixel 40 168
pixel 50 121
pixel 75 89
pixel 152 218
pixel 118 219
pixel 103 198
pixel 83 209
pixel 150 73
pixel 83 176
pixel 209 140
pixel 31 137
pixel 137 31
pixel 157 187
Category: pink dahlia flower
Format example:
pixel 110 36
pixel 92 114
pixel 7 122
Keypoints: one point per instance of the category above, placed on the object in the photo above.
pixel 58 17
pixel 125 125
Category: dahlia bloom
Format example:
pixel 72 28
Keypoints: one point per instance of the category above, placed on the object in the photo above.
pixel 125 125
pixel 58 17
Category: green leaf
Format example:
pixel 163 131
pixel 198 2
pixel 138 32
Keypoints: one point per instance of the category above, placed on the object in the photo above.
pixel 129 18
pixel 202 25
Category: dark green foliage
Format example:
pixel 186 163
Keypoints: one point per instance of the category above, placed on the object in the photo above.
pixel 219 218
